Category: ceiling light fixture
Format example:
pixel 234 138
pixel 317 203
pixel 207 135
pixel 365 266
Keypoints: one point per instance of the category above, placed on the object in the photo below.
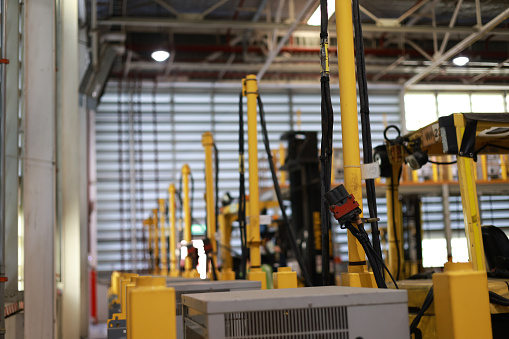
pixel 460 60
pixel 160 56
pixel 314 19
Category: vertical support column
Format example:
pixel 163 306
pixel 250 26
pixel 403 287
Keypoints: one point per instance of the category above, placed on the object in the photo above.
pixel 207 142
pixel 250 90
pixel 357 273
pixel 11 130
pixel 174 268
pixel 68 113
pixel 39 169
pixel 469 202
pixel 164 263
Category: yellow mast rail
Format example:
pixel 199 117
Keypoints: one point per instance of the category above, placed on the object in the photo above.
pixel 358 274
pixel 174 266
pixel 250 90
pixel 189 272
pixel 208 143
pixel 155 222
pixel 164 263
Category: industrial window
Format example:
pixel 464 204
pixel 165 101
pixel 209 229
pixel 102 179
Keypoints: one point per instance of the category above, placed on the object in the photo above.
pixel 487 103
pixel 449 103
pixel 422 108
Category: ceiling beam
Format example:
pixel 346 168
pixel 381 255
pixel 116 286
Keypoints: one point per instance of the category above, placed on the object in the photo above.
pixel 459 47
pixel 208 25
pixel 273 53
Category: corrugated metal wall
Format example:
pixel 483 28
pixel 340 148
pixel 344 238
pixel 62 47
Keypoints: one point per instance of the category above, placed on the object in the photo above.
pixel 146 132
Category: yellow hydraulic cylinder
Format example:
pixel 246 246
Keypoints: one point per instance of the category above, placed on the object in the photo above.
pixel 434 169
pixel 155 222
pixel 357 274
pixel 207 142
pixel 462 305
pixel 113 290
pixel 503 166
pixel 284 278
pixel 174 268
pixel 164 262
pixel 225 231
pixel 281 163
pixel 148 224
pixel 469 202
pixel 484 164
pixel 250 90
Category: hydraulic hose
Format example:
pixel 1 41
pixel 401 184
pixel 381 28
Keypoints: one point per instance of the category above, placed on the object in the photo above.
pixel 326 144
pixel 279 196
pixel 367 149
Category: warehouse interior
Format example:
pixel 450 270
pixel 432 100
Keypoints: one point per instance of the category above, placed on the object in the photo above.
pixel 160 158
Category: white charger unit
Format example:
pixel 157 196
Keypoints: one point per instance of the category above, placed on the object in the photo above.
pixel 206 286
pixel 313 312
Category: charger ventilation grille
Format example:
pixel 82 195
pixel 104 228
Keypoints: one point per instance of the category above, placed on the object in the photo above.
pixel 324 322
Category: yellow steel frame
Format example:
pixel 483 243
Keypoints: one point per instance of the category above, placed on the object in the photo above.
pixel 357 275
pixel 250 90
pixel 469 201
pixel 208 142
pixel 174 266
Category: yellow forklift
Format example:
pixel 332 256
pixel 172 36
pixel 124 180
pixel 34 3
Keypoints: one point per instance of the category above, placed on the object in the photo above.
pixel 467 136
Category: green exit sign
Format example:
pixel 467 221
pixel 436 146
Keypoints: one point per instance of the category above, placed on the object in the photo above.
pixel 197 229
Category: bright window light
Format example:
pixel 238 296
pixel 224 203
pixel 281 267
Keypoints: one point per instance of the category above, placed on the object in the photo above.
pixel 434 252
pixel 160 56
pixel 449 103
pixel 314 20
pixel 420 110
pixel 487 103
pixel 459 249
pixel 460 61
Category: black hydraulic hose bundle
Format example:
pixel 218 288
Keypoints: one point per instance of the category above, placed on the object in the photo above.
pixel 393 181
pixel 366 126
pixel 326 145
pixel 375 260
pixel 425 305
pixel 279 196
pixel 242 194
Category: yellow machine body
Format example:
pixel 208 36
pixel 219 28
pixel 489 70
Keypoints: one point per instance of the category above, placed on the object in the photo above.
pixel 151 309
pixel 462 305
pixel 284 278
